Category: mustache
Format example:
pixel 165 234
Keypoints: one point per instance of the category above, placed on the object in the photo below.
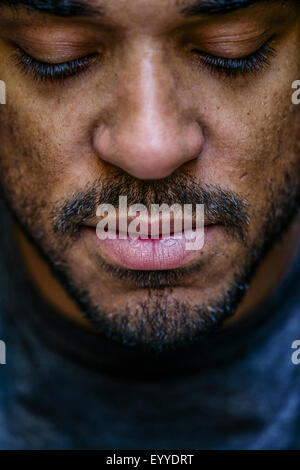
pixel 221 205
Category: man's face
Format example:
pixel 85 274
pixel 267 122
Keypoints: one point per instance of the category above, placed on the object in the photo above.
pixel 160 101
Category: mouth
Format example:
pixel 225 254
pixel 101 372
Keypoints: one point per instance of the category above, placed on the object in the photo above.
pixel 154 247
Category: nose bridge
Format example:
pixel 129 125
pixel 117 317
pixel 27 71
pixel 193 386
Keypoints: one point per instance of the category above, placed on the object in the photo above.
pixel 149 108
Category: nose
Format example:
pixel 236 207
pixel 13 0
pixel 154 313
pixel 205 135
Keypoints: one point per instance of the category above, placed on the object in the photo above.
pixel 151 132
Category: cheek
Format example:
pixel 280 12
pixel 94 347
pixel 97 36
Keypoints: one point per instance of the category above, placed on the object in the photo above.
pixel 38 157
pixel 28 168
pixel 22 163
pixel 250 147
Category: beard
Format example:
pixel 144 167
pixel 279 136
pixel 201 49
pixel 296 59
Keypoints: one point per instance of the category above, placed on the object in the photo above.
pixel 161 323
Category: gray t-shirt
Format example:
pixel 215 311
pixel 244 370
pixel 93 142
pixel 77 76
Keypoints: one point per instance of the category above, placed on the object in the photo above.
pixel 54 393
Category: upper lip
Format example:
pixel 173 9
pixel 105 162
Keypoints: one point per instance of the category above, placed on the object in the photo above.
pixel 93 221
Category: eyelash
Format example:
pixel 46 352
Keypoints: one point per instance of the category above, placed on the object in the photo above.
pixel 231 67
pixel 45 71
pixel 252 63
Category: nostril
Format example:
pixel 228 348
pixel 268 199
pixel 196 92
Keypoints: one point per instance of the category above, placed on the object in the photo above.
pixel 102 142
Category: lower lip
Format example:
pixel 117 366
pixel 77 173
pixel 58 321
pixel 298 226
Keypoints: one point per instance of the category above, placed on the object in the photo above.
pixel 150 254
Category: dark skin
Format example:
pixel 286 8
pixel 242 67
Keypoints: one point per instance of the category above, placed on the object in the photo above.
pixel 148 106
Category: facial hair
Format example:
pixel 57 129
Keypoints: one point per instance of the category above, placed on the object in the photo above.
pixel 160 323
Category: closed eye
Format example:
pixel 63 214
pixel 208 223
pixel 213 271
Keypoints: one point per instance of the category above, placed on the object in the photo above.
pixel 252 63
pixel 47 71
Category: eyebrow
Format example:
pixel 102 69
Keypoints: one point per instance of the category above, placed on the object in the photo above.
pixel 64 8
pixel 75 8
pixel 220 7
